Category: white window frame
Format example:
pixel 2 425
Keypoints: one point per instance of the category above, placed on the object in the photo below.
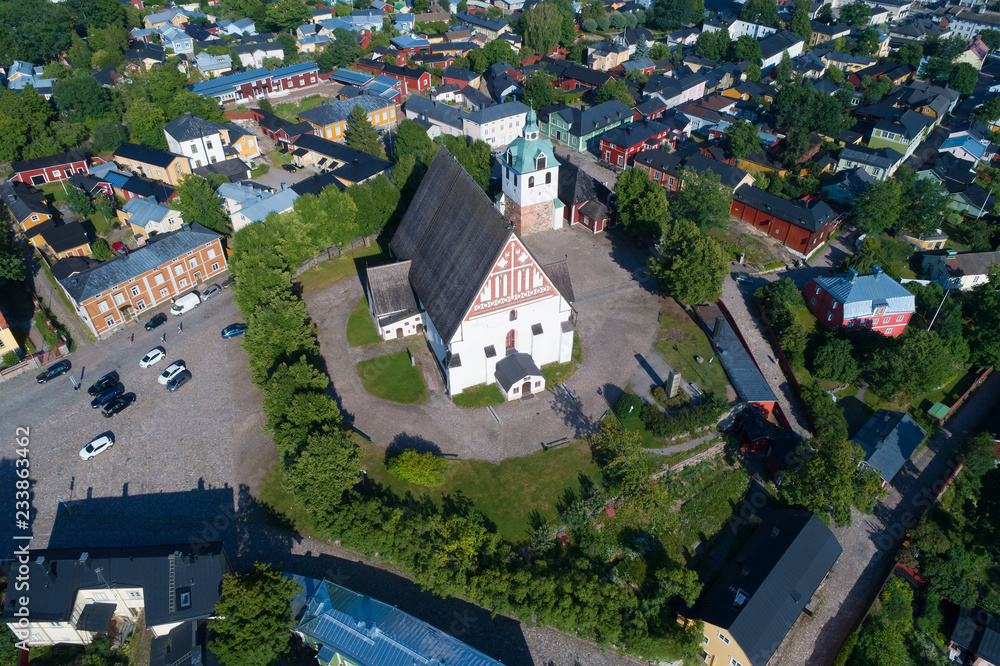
pixel 723 638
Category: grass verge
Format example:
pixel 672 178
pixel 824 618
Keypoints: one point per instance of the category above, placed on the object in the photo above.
pixel 479 396
pixel 334 270
pixel 680 340
pixel 557 373
pixel 360 328
pixel 391 377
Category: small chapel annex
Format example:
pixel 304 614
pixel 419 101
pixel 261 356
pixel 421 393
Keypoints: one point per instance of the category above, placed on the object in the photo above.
pixel 463 278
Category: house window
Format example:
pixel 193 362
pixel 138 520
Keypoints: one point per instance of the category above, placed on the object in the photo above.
pixel 850 323
pixel 134 290
pixel 621 160
pixel 164 292
pixel 178 269
pixel 724 638
pixel 208 145
pixel 134 595
pixel 656 175
pixel 119 298
pixel 899 319
pixel 158 279
pixel 835 305
pixel 829 316
pixel 513 315
pixel 511 340
pixel 215 266
pixel 140 305
pixel 704 639
pixel 548 178
pixel 733 662
pixel 817 290
pixel 670 181
pixel 102 306
pixel 888 331
pixel 194 148
pixel 185 599
pixel 192 262
pixel 812 301
pixel 886 320
pixel 182 282
pixel 531 181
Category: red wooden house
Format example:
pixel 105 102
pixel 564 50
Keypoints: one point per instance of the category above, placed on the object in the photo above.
pixel 49 169
pixel 414 79
pixel 620 145
pixel 801 226
pixel 852 302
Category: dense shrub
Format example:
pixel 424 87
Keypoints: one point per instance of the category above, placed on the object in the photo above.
pixel 661 424
pixel 48 335
pixel 10 359
pixel 423 469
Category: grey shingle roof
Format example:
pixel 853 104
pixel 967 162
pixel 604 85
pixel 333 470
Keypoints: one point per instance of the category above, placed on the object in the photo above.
pixel 978 632
pixel 739 365
pixel 63 237
pixel 575 185
pixel 778 42
pixel 389 286
pixel 165 248
pixel 141 153
pixel 332 112
pixel 558 272
pixel 883 158
pixel 860 294
pixel 889 439
pixel 596 117
pixel 759 595
pixel 496 112
pixel 187 127
pixel 23 200
pixel 56 579
pixel 50 161
pixel 810 216
pixel 513 368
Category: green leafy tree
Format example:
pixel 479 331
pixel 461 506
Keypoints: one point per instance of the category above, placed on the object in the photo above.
pixel 340 52
pixel 197 202
pixel 101 250
pixel 537 90
pixel 856 14
pixel 78 202
pixel 924 201
pixel 323 471
pixel 411 139
pixel 908 54
pixel 641 203
pixel 23 115
pixel 619 454
pixel 84 97
pixel 499 50
pixel 254 621
pixel 672 14
pixel 679 583
pixel 423 469
pixel 877 208
pixel 825 14
pixel 474 156
pixel 615 89
pixel 982 309
pixel 830 481
pixel 101 652
pixel 589 25
pixel 746 48
pixel 761 11
pixel 990 37
pixel 145 122
pixel 868 43
pixel 702 199
pixel 641 47
pixel 79 53
pixel 691 266
pixel 799 23
pixel 978 454
pixel 286 15
pixel 988 112
pixel 910 365
pixel 783 70
pixel 963 78
pixel 34 30
pixel 12 267
pixel 828 421
pixel 712 45
pixel 741 139
pixel 835 361
pixel 543 27
pixel 361 134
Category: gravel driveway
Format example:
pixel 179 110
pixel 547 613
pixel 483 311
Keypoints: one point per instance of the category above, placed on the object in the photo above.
pixel 617 319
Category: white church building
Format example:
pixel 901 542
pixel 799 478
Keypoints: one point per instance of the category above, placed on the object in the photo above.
pixel 530 199
pixel 490 312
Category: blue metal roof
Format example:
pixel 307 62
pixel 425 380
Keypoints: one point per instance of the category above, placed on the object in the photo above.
pixel 861 294
pixel 351 77
pixel 372 633
pixel 409 42
pixel 743 372
pixel 889 439
pixel 226 83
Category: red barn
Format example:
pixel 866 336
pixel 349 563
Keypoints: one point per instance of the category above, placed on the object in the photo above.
pixel 801 226
pixel 49 169
pixel 853 301
pixel 620 145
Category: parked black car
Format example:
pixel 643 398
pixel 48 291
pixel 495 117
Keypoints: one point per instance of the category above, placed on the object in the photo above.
pixel 178 381
pixel 156 320
pixel 229 282
pixel 118 404
pixel 107 381
pixel 289 168
pixel 107 395
pixel 60 368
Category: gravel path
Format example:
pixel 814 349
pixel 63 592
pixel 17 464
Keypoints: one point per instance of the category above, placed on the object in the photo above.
pixel 871 541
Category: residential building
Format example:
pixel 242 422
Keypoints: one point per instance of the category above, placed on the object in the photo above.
pixel 903 134
pixel 438 118
pixel 78 594
pixel 51 169
pixel 61 240
pixel 823 33
pixel 497 125
pixel 346 627
pixel 329 120
pixel 8 343
pixel 478 23
pixel 253 55
pixel 888 440
pixel 582 128
pixel 491 313
pixel 348 166
pixel 243 26
pixel 847 185
pixel 167 266
pixel 968 148
pixel 27 205
pixel 917 29
pixel 147 218
pixel 22 74
pixel 675 92
pixel 260 83
pixel 759 595
pixel 278 129
pixel 235 196
pixel 927 242
pixel 879 163
pixel 175 17
pixel 583 198
pixel 737 27
pixel 775 47
pixel 960 270
pixel 176 40
pixel 897 9
pixel 530 182
pixel 279 202
pixel 800 225
pixel 975 638
pixel 152 162
pixel 195 138
pixel 609 54
pixel 969 23
pixel 852 302
pixel 212 65
pixel 461 76
pixel 620 145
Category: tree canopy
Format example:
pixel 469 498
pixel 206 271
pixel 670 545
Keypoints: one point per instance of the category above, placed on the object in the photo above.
pixel 741 139
pixel 361 134
pixel 641 204
pixel 692 266
pixel 702 199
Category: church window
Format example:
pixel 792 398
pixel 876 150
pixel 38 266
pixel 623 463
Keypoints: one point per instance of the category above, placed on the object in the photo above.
pixel 513 315
pixel 548 178
pixel 540 163
pixel 531 181
pixel 511 340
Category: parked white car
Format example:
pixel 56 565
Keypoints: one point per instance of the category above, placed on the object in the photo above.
pixel 97 445
pixel 172 371
pixel 155 355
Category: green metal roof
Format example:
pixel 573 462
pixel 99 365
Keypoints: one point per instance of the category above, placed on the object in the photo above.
pixel 939 410
pixel 523 152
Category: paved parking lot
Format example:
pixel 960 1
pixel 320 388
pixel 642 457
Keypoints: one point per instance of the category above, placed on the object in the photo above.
pixel 207 433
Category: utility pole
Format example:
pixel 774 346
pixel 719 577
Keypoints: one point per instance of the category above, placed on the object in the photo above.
pixel 943 299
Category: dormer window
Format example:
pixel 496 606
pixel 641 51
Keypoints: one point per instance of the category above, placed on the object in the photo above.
pixel 540 163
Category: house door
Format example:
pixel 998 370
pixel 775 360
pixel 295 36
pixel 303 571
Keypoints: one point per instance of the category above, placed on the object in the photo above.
pixel 38 180
pixel 399 332
pixel 420 329
pixel 526 389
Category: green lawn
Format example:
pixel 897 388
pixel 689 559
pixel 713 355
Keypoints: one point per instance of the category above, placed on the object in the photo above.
pixel 260 171
pixel 278 158
pixel 507 493
pixel 360 327
pixel 391 377
pixel 479 396
pixel 340 268
pixel 681 338
pixel 288 110
pixel 557 373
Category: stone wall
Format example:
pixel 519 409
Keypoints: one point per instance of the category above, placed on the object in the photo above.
pixel 530 219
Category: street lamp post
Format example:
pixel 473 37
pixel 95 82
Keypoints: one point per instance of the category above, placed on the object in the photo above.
pixel 629 419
